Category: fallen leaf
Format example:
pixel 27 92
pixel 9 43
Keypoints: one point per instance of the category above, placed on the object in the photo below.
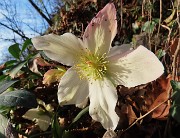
pixel 53 75
pixel 16 71
pixel 160 94
pixel 2 66
pixel 173 46
pixel 41 62
pixel 40 117
pixel 131 115
pixel 127 109
pixel 162 111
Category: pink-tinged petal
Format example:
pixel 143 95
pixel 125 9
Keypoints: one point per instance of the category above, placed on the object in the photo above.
pixel 136 67
pixel 72 89
pixel 101 30
pixel 103 99
pixel 64 49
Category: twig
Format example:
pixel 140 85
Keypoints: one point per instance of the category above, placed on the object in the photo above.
pixel 143 3
pixel 15 31
pixel 121 15
pixel 176 54
pixel 150 20
pixel 174 69
pixel 169 34
pixel 40 12
pixel 160 17
pixel 174 63
pixel 140 118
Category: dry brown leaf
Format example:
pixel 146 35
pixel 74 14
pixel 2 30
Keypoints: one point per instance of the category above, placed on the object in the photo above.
pixel 173 45
pixel 53 75
pixel 2 67
pixel 162 111
pixel 41 62
pixel 131 115
pixel 127 109
pixel 160 94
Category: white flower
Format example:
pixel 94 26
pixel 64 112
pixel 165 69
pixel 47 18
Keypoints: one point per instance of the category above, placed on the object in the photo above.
pixel 97 68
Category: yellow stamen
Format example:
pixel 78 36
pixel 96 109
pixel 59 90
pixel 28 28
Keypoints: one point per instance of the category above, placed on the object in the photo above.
pixel 92 66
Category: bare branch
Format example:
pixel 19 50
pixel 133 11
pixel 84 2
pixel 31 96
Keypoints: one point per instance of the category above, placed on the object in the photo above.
pixel 15 31
pixel 41 13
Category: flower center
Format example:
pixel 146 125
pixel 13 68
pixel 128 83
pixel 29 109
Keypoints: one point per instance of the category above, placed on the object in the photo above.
pixel 92 66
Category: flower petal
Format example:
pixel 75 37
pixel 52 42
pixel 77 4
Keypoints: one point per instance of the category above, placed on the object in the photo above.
pixel 64 49
pixel 136 67
pixel 72 90
pixel 103 99
pixel 109 134
pixel 101 30
pixel 119 50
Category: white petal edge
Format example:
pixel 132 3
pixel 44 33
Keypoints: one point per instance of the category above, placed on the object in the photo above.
pixel 119 50
pixel 65 49
pixel 71 89
pixel 136 67
pixel 103 99
pixel 109 134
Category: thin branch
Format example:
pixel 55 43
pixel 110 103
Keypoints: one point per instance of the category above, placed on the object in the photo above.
pixel 160 16
pixel 169 34
pixel 140 118
pixel 45 9
pixel 174 63
pixel 121 14
pixel 15 31
pixel 40 12
pixel 143 4
pixel 176 54
pixel 14 24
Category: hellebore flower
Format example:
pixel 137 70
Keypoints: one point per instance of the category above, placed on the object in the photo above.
pixel 97 68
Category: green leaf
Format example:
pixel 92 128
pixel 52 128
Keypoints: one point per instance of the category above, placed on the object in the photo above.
pixel 16 69
pixel 42 119
pixel 160 53
pixel 18 98
pixel 3 126
pixel 175 112
pixel 10 64
pixel 156 20
pixel 14 50
pixel 176 98
pixel 3 77
pixel 30 56
pixel 6 84
pixel 175 107
pixel 57 129
pixel 4 110
pixel 149 26
pixel 85 110
pixel 26 44
pixel 175 85
pixel 170 18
